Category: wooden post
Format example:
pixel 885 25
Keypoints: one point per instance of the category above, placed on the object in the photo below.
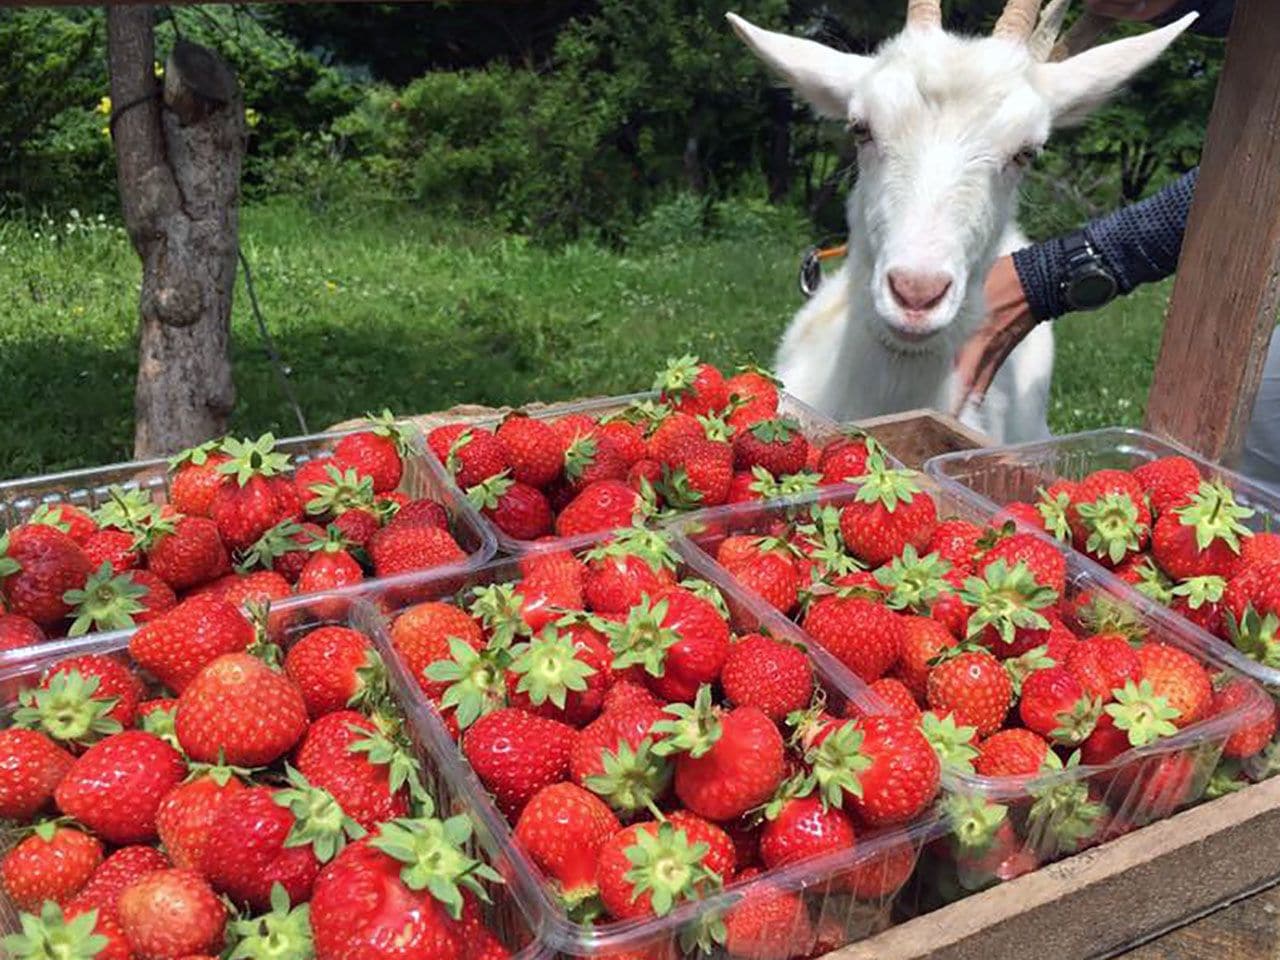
pixel 1225 297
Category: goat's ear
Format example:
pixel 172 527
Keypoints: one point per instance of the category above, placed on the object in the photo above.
pixel 1078 86
pixel 826 78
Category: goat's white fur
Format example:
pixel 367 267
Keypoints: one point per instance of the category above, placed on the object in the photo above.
pixel 936 193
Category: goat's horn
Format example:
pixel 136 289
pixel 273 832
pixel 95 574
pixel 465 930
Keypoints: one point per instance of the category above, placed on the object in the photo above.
pixel 1018 20
pixel 924 13
pixel 1047 31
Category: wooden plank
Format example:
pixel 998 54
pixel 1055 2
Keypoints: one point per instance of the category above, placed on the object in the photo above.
pixel 1223 310
pixel 1245 930
pixel 1106 898
pixel 917 435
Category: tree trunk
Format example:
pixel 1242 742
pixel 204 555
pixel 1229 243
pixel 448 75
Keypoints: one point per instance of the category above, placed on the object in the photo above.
pixel 179 147
pixel 778 170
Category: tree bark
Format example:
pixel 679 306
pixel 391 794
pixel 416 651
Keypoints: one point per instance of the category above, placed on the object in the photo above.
pixel 179 147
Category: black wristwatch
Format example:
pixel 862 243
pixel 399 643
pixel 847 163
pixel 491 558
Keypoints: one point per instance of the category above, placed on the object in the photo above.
pixel 1089 284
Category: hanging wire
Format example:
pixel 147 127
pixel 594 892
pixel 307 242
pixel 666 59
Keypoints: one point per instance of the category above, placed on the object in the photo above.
pixel 269 344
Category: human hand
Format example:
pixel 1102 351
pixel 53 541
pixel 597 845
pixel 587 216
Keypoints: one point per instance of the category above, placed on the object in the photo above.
pixel 1139 10
pixel 1008 321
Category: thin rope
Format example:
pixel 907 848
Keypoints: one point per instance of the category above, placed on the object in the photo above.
pixel 269 345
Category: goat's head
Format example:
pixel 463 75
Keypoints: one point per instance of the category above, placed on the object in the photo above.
pixel 945 126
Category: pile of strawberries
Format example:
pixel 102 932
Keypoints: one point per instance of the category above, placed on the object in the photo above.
pixel 1179 539
pixel 648 753
pixel 239 522
pixel 976 635
pixel 707 441
pixel 194 796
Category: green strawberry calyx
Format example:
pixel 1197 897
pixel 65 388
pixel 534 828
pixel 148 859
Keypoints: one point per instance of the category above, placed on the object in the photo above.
pixel 372 688
pixel 501 610
pixel 477 679
pixel 432 852
pixel 1052 508
pixel 220 773
pixel 319 822
pixel 197 456
pixel 1200 591
pixel 1063 813
pixel 67 710
pixel 676 490
pixel 666 865
pixel 1152 583
pixel 107 601
pixel 50 515
pixel 1113 526
pixel 1075 725
pixel 642 413
pixel 974 821
pixel 8 565
pixel 549 668
pixel 51 934
pixel 651 546
pixel 692 729
pixel 642 640
pixel 1256 636
pixel 1214 515
pixel 129 510
pixel 580 455
pixel 913 581
pixel 715 427
pixel 333 541
pixel 386 425
pixel 487 494
pixel 631 780
pixel 284 933
pixel 253 458
pixel 777 430
pixel 1142 713
pixel 161 722
pixel 1021 667
pixel 284 538
pixel 837 763
pixel 952 742
pixel 1005 600
pixel 770 487
pixel 884 486
pixel 392 752
pixel 345 490
pixel 679 376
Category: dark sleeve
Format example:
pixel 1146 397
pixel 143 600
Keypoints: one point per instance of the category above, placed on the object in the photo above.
pixel 1215 16
pixel 1139 244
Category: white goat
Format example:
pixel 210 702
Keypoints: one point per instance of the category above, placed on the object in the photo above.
pixel 945 126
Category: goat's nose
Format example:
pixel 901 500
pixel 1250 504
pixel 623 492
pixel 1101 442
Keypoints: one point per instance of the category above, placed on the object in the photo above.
pixel 918 291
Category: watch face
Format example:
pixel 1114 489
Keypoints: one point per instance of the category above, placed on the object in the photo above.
pixel 1091 289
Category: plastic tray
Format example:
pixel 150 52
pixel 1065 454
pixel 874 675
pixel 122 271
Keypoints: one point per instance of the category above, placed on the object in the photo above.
pixel 994 477
pixel 839 915
pixel 89 489
pixel 1120 786
pixel 19 668
pixel 817 427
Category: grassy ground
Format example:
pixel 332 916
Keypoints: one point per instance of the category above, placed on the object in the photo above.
pixel 373 309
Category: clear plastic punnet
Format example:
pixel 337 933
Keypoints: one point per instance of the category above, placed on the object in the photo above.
pixel 1004 826
pixel 290 621
pixel 826 901
pixel 91 488
pixel 817 427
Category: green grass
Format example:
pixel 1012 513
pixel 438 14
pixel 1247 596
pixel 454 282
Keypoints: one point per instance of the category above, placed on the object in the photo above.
pixel 374 309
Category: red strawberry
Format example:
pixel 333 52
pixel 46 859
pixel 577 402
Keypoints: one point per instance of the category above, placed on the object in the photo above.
pixel 1024 516
pixel 1259 549
pixel 1045 561
pixel 283 548
pixel 421 636
pixel 515 754
pixel 804 827
pixel 768 924
pixel 330 567
pixel 316 473
pixel 956 541
pixel 333 668
pixel 884 875
pixel 863 635
pixel 239 711
pixel 471 454
pixel 561 673
pixel 588 461
pixel 1203 537
pixel 881 767
pixel 77 692
pixel 257 496
pixel 1108 516
pixel 621 573
pixel 356 527
pixel 1011 753
pixel 769 674
pixel 727 762
pixel 648 868
pixel 1055 705
pixel 1178 677
pixel 680 639
pixel 890 512
pixel 261 587
pixel 38 565
pixel 115 788
pixel 776 445
pixel 897 699
pixel 115 874
pixel 770 573
pixel 194 478
pixel 1169 482
pixel 186 551
pixel 344 754
pixel 692 387
pixel 1254 736
pixel 66 517
pixel 613 756
pixel 671 432
pixel 533 449
pixel 562 828
pixel 1103 664
pixel 185 817
pixel 626 694
pixel 625 439
pixel 845 460
pixel 31 767
pixel 974 687
pixel 53 863
pixel 172 913
pixel 697 472
pixel 519 510
pixel 923 638
pixel 377 453
pixel 18 631
pixel 403 548
pixel 422 512
pixel 178 645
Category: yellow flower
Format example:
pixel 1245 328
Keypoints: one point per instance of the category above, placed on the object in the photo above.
pixel 330 286
pixel 104 106
pixel 159 68
pixel 106 132
pixel 77 311
pixel 251 117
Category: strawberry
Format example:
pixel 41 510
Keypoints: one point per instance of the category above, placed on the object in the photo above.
pixel 923 638
pixel 625 694
pixel 1203 537
pixel 1108 516
pixel 72 934
pixel 1254 736
pixel 897 699
pixel 1045 562
pixel 38 565
pixel 116 786
pixel 588 461
pixel 768 924
pixel 680 639
pixel 562 828
pixel 421 636
pixel 356 527
pixel 257 495
pixel 620 573
pixel 625 439
pixel 770 573
pixel 727 761
pixel 753 387
pixel 17 631
pixel 172 913
pixel 52 863
pixel 1259 549
pixel 845 460
pixel 956 541
pixel 1011 753
pixel 1006 603
pixel 697 472
pixel 974 688
pixel 1169 482
pixel 552 584
pixel 1055 705
pixel 649 868
pixel 81 699
pixel 194 478
pixel 422 512
pixel 186 551
pixel 562 673
pixel 672 431
pixel 881 767
pixel 377 453
pixel 346 755
pixel 1024 516
pixel 66 517
pixel 614 757
pixel 333 668
pixel 519 510
pixel 771 675
pixel 116 873
pixel 1103 664
pixel 471 454
pixel 515 754
pixel 330 567
pixel 178 645
pixel 31 767
pixel 776 445
pixel 185 817
pixel 884 876
pixel 691 386
pixel 801 828
pixel 403 548
pixel 889 512
pixel 534 451
pixel 1178 677
pixel 863 635
pixel 258 588
pixel 239 711
pixel 116 548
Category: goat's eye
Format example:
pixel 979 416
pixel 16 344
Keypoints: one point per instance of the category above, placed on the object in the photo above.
pixel 860 130
pixel 1026 156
